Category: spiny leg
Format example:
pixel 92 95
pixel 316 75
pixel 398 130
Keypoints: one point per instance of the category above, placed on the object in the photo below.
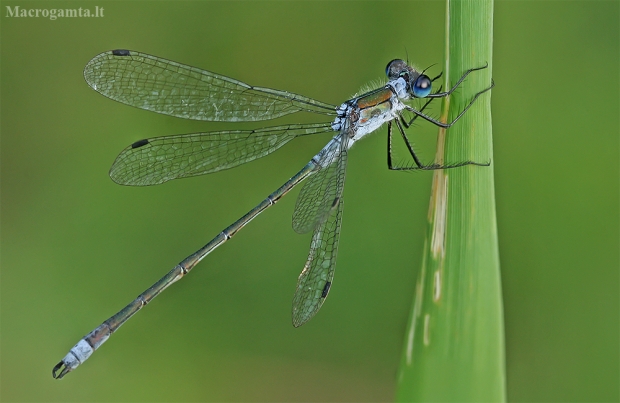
pixel 420 166
pixel 447 125
pixel 409 147
pixel 389 154
pixel 444 94
pixel 408 124
pixel 402 119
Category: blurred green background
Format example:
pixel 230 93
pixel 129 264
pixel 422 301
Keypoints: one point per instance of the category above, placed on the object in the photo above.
pixel 76 247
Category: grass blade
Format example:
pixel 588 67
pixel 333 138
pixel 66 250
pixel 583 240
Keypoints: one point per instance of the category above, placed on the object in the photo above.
pixel 454 345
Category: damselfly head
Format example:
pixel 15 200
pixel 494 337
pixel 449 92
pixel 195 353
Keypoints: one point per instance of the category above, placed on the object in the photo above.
pixel 418 85
pixel 397 68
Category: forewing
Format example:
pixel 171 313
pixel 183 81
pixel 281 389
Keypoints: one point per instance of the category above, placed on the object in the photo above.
pixel 321 192
pixel 160 159
pixel 316 278
pixel 163 86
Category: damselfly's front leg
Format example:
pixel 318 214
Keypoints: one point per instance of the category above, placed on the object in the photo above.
pixel 447 125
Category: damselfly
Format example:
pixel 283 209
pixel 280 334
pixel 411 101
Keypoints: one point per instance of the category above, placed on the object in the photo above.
pixel 171 88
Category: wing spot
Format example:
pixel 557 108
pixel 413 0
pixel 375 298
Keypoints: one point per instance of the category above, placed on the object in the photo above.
pixel 326 289
pixel 121 52
pixel 140 143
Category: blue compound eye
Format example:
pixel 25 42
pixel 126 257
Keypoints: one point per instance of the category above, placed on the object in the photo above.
pixel 422 86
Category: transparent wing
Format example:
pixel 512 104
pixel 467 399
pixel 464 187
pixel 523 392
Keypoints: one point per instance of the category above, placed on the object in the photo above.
pixel 316 278
pixel 160 159
pixel 320 194
pixel 163 86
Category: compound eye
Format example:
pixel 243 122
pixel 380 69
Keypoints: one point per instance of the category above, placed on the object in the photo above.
pixel 394 68
pixel 422 86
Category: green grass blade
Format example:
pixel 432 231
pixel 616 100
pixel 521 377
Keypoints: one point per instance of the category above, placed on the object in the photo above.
pixel 454 345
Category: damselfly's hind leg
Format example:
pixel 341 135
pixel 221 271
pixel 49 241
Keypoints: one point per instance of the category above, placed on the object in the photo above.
pixel 419 164
pixel 407 125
